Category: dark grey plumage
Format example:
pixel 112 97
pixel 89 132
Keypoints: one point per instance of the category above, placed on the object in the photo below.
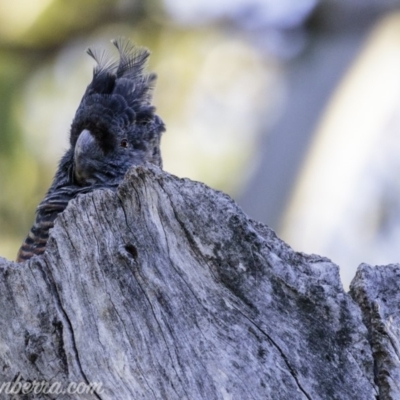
pixel 114 128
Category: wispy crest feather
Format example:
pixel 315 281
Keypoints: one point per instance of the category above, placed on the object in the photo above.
pixel 132 59
pixel 125 76
pixel 103 59
pixel 131 63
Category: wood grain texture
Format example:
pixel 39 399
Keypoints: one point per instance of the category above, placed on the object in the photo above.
pixel 165 289
pixel 377 290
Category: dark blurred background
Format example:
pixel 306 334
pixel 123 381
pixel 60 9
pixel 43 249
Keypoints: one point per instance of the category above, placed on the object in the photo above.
pixel 292 107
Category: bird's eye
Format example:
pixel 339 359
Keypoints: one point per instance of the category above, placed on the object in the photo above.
pixel 124 143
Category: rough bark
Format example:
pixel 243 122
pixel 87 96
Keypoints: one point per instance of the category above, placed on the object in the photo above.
pixel 377 290
pixel 165 289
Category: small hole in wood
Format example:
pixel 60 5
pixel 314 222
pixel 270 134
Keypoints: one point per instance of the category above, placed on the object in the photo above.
pixel 132 250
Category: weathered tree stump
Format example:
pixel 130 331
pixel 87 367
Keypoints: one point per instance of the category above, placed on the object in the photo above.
pixel 165 289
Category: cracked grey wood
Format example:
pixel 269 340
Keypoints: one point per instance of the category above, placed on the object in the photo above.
pixel 167 290
pixel 377 290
